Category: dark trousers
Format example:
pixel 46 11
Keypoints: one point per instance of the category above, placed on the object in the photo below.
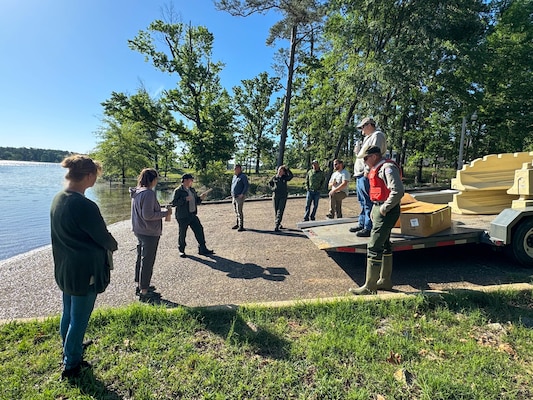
pixel 379 242
pixel 279 203
pixel 313 196
pixel 194 222
pixel 146 252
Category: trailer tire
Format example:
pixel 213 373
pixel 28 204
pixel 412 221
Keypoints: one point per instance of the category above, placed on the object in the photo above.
pixel 522 243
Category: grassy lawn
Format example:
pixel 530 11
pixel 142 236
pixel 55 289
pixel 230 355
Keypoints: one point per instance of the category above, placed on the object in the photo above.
pixel 465 345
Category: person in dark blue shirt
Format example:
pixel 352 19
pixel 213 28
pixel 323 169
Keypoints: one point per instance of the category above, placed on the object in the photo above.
pixel 239 188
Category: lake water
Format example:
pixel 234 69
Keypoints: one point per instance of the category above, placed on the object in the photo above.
pixel 27 192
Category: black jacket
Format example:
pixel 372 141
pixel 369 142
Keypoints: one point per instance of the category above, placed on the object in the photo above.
pixel 182 205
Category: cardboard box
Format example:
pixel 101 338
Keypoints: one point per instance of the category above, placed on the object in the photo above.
pixel 407 203
pixel 426 219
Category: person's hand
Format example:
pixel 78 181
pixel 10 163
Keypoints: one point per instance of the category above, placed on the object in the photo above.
pixel 203 196
pixel 169 210
pixel 241 196
pixel 188 198
pixel 332 192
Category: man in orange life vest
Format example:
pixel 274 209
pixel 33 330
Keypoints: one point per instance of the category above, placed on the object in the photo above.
pixel 386 191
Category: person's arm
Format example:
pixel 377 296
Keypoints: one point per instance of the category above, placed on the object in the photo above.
pixel 90 221
pixel 245 185
pixel 289 175
pixel 151 210
pixel 178 200
pixel 393 180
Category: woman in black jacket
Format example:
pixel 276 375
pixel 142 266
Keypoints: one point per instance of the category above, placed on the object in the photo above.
pixel 81 247
pixel 278 184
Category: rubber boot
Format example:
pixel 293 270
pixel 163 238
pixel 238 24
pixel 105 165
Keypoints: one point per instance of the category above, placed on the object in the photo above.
pixel 373 268
pixel 385 281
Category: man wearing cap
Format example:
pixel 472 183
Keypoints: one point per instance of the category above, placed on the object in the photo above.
pixel 186 200
pixel 338 185
pixel 372 137
pixel 386 191
pixel 314 182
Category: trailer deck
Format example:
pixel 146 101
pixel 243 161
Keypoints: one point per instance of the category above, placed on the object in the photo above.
pixel 333 235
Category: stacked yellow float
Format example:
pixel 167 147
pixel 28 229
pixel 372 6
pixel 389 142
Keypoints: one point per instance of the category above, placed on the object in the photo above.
pixel 487 185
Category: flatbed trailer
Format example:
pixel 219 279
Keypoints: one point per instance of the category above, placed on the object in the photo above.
pixel 511 230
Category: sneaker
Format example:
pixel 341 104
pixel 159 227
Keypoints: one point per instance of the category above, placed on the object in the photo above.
pixel 329 216
pixel 276 229
pixel 357 228
pixel 138 290
pixel 235 226
pixel 76 371
pixel 241 229
pixel 182 254
pixel 205 252
pixel 305 220
pixel 363 233
pixel 150 298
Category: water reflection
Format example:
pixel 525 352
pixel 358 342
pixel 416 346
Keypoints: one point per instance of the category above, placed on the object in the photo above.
pixel 114 200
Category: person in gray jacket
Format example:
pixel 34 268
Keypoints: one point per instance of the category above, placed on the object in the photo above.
pixel 147 225
pixel 186 201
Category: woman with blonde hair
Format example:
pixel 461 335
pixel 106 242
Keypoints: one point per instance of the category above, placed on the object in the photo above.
pixel 147 225
pixel 81 247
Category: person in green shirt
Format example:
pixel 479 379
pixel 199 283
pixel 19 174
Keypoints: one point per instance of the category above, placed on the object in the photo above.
pixel 314 182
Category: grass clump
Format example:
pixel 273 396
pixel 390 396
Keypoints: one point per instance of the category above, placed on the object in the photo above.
pixel 458 346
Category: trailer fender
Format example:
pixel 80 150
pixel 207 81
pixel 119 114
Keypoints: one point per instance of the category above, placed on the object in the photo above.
pixel 502 227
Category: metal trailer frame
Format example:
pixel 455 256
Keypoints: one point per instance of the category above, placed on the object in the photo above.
pixel 498 231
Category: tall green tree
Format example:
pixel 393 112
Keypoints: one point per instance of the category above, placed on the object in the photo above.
pixel 185 52
pixel 118 149
pixel 151 117
pixel 507 110
pixel 299 23
pixel 256 113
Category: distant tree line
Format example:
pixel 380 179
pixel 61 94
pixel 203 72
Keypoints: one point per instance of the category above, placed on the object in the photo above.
pixel 31 154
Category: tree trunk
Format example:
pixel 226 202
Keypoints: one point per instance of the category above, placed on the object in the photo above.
pixel 285 122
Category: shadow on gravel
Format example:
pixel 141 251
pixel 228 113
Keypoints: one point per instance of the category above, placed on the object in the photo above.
pixel 283 232
pixel 234 269
pixel 472 263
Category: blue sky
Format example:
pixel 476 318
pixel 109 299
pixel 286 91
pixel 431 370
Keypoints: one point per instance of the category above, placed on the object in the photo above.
pixel 62 58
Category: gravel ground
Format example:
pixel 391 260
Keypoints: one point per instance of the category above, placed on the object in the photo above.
pixel 257 265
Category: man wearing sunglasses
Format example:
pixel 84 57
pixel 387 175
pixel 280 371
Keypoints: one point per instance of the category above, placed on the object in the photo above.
pixel 372 137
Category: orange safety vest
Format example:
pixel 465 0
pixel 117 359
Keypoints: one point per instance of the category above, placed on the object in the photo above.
pixel 378 188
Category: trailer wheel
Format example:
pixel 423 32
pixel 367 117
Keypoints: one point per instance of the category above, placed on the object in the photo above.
pixel 522 243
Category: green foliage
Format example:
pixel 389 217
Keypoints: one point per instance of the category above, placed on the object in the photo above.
pixel 186 51
pixel 120 150
pixel 256 119
pixel 462 345
pixel 215 177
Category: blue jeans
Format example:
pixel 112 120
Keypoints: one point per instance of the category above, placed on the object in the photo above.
pixel 312 197
pixel 74 320
pixel 363 189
